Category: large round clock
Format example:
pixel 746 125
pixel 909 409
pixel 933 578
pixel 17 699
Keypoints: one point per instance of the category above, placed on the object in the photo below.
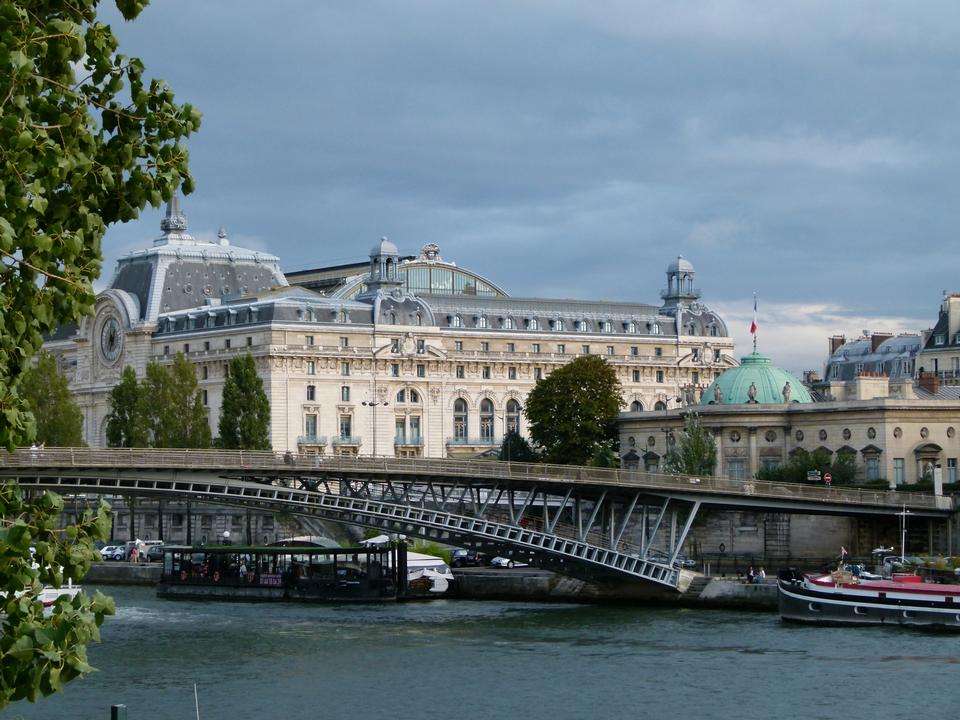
pixel 111 340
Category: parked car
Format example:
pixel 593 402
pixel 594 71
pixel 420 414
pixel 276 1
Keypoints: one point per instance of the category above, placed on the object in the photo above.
pixel 462 557
pixel 154 554
pixel 113 552
pixel 502 562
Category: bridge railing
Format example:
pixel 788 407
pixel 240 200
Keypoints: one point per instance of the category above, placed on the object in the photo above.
pixel 252 462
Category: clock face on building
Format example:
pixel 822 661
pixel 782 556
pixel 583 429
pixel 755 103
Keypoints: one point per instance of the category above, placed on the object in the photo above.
pixel 111 340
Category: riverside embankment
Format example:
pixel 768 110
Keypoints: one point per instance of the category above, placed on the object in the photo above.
pixel 521 584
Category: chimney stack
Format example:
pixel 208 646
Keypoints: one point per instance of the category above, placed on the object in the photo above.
pixel 836 342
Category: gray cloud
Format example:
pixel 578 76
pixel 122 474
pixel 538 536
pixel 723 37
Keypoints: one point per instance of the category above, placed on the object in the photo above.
pixel 803 150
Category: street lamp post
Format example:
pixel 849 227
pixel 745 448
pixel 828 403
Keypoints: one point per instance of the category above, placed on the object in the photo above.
pixel 374 404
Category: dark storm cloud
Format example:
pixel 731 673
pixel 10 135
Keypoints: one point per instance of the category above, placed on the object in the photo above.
pixel 807 152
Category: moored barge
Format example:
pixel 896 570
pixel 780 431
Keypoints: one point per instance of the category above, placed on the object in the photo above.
pixel 840 598
pixel 283 573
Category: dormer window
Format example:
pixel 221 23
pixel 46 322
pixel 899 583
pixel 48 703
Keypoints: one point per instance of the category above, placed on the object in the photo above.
pixel 456 321
pixel 581 325
pixel 533 324
pixel 632 328
pixel 508 323
pixel 606 326
pixel 558 325
pixel 481 322
pixel 939 339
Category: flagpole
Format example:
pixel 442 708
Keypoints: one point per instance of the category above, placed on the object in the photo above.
pixel 755 328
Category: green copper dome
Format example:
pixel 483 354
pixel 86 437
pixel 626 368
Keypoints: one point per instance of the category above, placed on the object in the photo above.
pixel 770 385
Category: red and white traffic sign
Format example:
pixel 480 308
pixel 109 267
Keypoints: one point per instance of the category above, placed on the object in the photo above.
pixel 827 477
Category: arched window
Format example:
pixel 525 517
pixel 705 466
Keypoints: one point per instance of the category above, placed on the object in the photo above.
pixel 419 319
pixel 486 419
pixel 513 416
pixel 481 322
pixel 558 325
pixel 460 427
pixel 636 406
pixel 534 324
pixel 632 328
pixel 456 321
pixel 508 323
pixel 402 396
pixel 414 396
pixel 660 405
pixel 581 325
pixel 606 326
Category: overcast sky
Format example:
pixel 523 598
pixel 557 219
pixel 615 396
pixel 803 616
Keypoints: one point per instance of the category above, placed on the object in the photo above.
pixel 805 151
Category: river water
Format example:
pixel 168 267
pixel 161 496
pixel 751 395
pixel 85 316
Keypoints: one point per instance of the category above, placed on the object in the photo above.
pixel 496 660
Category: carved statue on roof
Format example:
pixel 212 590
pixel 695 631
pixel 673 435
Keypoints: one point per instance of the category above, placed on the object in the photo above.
pixel 786 392
pixel 752 392
pixel 717 394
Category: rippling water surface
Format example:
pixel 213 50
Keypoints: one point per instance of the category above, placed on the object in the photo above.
pixel 495 660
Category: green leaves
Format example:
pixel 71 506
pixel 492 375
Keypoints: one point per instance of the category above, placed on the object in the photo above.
pixel 46 395
pixel 694 451
pixel 74 158
pixel 245 410
pixel 572 412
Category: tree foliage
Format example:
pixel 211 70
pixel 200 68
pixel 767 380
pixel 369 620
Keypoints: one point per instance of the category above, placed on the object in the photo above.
pixel 245 410
pixel 516 448
pixel 572 412
pixel 85 141
pixel 171 408
pixel 39 651
pixel 695 450
pixel 125 425
pixel 59 421
pixel 842 468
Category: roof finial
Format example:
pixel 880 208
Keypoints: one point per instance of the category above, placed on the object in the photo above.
pixel 222 235
pixel 174 220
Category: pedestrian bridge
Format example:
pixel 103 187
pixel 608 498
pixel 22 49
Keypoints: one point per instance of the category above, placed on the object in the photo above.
pixel 587 522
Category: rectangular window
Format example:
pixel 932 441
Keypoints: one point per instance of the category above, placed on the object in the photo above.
pixel 421 346
pixel 249 341
pixel 308 339
pixel 206 344
pixel 609 349
pixel 395 345
pixel 226 343
pixel 486 372
pixel 311 367
pixel 395 369
pixel 696 355
pixel 311 393
pixel 695 377
pixel 736 469
pixel 634 350
pixel 344 342
pixel 561 349
pixel 537 374
pixel 716 355
pixel 421 370
pixel 460 372
pixel 511 347
pixel 236 521
pixel 951 470
pixel 636 376
pixel 873 467
pixel 345 393
pixel 484 346
pixel 536 347
pixel 206 522
pixel 204 372
pixel 511 373
pixel 659 376
pixel 585 349
pixel 414 427
pixel 186 348
pixel 205 399
pixel 658 352
pixel 345 368
pixel 166 349
pixel 898 471
pixel 346 426
pixel 458 345
pixel 400 430
pixel 310 425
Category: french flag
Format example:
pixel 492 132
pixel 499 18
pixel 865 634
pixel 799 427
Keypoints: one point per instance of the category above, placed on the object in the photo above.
pixel 753 325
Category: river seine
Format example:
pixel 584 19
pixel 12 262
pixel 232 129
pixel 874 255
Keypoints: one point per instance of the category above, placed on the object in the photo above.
pixel 496 660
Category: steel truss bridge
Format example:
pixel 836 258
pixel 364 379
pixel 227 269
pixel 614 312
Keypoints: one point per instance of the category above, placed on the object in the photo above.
pixel 593 523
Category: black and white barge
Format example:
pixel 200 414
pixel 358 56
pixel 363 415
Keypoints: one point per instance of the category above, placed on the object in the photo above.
pixel 839 598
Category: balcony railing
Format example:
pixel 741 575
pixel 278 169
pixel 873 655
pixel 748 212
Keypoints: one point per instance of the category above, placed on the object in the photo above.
pixel 346 440
pixel 312 440
pixel 472 441
pixel 408 441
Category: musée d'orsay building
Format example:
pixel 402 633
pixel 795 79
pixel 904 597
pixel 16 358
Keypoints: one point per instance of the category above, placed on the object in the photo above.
pixel 394 355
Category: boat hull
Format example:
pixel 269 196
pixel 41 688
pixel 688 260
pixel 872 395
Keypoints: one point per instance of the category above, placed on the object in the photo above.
pixel 801 603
